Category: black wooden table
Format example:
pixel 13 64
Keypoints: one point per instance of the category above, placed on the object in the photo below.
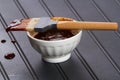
pixel 97 57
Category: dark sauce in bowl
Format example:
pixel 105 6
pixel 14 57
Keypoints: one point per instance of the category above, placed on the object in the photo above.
pixel 53 35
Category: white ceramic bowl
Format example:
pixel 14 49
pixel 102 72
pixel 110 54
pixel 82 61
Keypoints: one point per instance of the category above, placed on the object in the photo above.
pixel 56 51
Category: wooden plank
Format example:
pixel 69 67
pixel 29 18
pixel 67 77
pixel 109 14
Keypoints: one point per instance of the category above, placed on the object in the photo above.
pixel 33 8
pixel 30 57
pixel 114 39
pixel 1 77
pixel 88 17
pixel 10 11
pixel 110 8
pixel 3 74
pixel 11 66
pixel 96 59
pixel 75 69
pixel 58 8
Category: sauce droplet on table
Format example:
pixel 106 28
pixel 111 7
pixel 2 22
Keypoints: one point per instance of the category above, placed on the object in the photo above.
pixel 9 56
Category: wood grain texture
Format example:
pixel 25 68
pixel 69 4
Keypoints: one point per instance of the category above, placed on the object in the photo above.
pixel 95 58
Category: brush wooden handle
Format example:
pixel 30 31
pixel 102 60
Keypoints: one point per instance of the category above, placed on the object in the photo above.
pixel 87 25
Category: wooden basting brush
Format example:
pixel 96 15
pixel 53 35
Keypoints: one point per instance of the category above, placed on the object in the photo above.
pixel 46 23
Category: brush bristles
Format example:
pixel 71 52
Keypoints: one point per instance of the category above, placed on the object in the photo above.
pixel 31 25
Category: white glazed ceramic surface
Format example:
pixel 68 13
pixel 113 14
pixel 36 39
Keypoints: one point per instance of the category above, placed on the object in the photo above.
pixel 55 51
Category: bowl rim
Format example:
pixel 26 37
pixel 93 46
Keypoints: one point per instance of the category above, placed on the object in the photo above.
pixel 78 33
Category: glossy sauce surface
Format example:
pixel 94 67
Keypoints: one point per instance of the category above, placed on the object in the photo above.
pixel 13 24
pixel 9 56
pixel 52 35
pixel 18 25
pixel 3 41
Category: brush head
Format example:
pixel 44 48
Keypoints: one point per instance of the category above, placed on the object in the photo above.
pixel 35 24
pixel 19 25
pixel 45 24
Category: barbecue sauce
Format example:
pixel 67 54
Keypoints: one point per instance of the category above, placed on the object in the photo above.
pixel 3 41
pixel 9 56
pixel 13 25
pixel 52 35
